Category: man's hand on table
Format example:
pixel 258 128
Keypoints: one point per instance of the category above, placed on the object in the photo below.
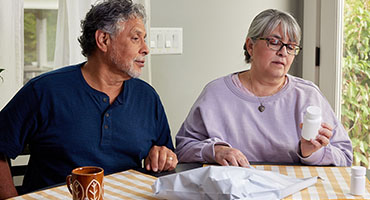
pixel 160 158
pixel 226 156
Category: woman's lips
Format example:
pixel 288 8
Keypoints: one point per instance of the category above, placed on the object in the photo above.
pixel 279 63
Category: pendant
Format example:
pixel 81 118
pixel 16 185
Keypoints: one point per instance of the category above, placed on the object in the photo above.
pixel 261 108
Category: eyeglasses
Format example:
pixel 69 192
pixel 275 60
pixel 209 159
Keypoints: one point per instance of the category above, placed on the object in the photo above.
pixel 277 45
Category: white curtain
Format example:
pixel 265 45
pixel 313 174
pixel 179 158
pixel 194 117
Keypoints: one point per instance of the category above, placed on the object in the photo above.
pixel 67 48
pixel 11 48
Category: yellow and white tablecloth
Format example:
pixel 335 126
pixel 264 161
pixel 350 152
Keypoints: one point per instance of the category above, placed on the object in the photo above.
pixel 131 184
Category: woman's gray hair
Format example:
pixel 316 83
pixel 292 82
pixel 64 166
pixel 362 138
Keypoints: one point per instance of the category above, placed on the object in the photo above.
pixel 107 16
pixel 266 21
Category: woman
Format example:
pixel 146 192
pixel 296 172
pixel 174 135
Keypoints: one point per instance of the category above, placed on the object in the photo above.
pixel 256 115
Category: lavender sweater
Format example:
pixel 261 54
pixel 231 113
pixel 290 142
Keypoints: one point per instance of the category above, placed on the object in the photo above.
pixel 224 114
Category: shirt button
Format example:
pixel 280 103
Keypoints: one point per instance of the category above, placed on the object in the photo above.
pixel 106 126
pixel 105 99
pixel 107 114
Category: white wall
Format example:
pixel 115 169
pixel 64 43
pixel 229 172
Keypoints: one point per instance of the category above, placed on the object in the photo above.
pixel 214 32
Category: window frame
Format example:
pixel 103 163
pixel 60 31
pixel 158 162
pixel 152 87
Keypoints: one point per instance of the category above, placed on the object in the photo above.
pixel 323 28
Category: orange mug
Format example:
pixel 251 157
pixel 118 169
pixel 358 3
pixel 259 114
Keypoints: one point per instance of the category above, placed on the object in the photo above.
pixel 86 183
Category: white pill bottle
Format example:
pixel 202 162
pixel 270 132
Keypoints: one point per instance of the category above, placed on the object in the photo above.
pixel 358 180
pixel 311 122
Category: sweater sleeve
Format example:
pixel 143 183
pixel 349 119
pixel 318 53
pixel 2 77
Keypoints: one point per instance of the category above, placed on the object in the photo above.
pixel 339 151
pixel 193 141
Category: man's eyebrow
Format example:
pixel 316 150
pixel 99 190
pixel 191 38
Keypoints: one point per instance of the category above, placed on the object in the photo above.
pixel 139 32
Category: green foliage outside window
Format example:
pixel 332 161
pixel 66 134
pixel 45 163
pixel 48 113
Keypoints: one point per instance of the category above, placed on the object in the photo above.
pixel 356 78
pixel 29 37
pixel 30 40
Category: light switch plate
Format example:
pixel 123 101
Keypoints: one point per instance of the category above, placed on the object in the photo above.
pixel 165 40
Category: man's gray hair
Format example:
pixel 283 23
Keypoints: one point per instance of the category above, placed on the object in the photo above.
pixel 107 16
pixel 266 21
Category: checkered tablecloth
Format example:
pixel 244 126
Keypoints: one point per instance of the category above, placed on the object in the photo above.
pixel 335 182
pixel 131 184
pixel 125 185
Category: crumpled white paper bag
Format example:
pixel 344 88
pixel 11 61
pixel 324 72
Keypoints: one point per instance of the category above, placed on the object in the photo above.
pixel 220 182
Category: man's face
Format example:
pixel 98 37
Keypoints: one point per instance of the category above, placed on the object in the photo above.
pixel 128 49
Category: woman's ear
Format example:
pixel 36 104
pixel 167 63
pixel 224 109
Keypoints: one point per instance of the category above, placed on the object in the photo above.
pixel 249 45
pixel 102 40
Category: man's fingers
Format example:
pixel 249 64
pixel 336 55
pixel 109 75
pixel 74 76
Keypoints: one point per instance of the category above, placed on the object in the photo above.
pixel 162 160
pixel 168 163
pixel 147 163
pixel 153 157
pixel 171 162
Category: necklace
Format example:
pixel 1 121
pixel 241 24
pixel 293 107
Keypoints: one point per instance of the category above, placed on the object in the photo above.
pixel 261 107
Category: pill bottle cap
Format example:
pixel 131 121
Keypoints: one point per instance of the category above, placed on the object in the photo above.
pixel 313 112
pixel 358 171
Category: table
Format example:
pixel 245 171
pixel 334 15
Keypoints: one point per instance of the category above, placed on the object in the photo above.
pixel 134 184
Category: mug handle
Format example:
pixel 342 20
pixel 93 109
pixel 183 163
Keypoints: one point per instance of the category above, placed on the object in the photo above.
pixel 68 180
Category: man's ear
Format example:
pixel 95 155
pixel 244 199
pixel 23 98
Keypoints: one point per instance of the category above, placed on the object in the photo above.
pixel 249 44
pixel 102 40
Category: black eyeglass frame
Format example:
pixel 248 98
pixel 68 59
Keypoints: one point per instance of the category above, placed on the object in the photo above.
pixel 296 50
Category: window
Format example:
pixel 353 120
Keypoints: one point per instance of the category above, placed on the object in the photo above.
pixel 340 30
pixel 356 78
pixel 40 19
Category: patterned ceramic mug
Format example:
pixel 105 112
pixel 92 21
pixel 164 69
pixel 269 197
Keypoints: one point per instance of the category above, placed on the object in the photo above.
pixel 86 183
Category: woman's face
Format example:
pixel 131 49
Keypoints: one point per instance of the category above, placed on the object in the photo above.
pixel 268 62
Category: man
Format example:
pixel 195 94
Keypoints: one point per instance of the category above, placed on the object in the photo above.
pixel 94 113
